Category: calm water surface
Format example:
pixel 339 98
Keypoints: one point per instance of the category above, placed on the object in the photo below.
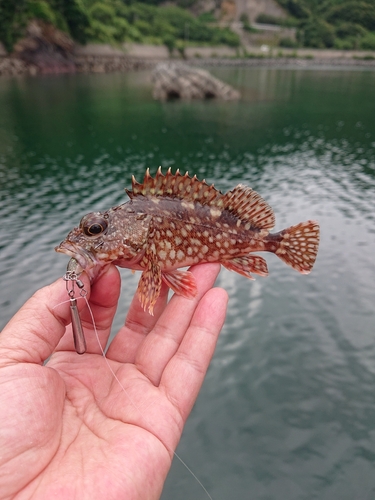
pixel 287 410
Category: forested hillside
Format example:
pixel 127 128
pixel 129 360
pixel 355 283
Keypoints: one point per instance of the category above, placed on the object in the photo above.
pixel 113 21
pixel 342 24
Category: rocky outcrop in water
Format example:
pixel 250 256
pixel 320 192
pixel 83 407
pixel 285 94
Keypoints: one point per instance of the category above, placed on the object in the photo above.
pixel 172 80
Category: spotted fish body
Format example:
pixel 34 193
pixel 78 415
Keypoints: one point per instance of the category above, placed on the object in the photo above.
pixel 172 221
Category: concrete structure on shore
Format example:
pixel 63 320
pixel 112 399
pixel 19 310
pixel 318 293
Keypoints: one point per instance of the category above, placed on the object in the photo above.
pixel 160 53
pixel 231 10
pixel 95 58
pixel 255 7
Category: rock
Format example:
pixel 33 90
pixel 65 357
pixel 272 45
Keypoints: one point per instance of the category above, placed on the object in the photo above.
pixel 172 80
pixel 13 66
pixel 46 48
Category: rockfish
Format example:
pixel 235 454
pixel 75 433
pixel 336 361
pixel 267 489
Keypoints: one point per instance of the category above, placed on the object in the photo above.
pixel 172 221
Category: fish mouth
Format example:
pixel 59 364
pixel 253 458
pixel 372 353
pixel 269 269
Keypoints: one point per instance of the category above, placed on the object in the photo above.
pixel 86 260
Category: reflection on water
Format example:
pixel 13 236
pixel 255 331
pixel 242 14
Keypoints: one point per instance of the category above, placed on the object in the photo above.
pixel 288 406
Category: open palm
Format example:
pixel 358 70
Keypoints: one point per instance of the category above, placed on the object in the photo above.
pixel 70 428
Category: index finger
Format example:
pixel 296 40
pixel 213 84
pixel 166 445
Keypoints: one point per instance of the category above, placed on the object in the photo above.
pixel 35 330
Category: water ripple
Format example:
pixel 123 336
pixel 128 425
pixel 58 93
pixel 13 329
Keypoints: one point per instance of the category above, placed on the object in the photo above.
pixel 287 409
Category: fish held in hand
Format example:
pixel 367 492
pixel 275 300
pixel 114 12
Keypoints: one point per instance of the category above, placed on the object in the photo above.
pixel 173 221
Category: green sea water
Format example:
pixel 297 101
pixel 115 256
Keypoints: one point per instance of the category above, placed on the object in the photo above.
pixel 287 410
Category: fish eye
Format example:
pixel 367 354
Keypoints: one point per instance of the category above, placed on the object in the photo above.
pixel 95 229
pixel 94 226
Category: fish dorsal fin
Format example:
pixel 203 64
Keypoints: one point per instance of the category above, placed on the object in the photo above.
pixel 175 185
pixel 249 206
pixel 242 201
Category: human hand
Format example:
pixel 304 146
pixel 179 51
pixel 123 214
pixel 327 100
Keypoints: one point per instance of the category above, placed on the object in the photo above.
pixel 69 429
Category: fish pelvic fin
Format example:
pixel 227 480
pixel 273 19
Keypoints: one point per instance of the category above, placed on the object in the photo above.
pixel 246 265
pixel 299 246
pixel 149 286
pixel 181 282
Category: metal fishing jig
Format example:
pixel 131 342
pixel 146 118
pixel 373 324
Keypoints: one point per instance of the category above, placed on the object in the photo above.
pixel 71 278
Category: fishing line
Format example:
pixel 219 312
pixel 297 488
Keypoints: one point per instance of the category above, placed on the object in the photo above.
pixel 63 302
pixel 83 296
pixel 130 399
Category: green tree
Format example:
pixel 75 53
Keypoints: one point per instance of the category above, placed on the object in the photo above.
pixel 170 42
pixel 368 42
pixel 361 13
pixel 12 21
pixel 316 33
pixel 76 16
pixel 41 10
pixel 297 8
pixel 345 30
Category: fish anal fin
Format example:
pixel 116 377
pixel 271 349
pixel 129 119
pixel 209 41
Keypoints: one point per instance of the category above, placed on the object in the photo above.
pixel 299 246
pixel 246 265
pixel 249 206
pixel 181 282
pixel 149 286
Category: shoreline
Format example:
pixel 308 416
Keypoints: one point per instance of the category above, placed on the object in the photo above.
pixel 132 57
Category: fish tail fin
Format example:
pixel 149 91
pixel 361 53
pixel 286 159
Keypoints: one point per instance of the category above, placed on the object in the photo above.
pixel 299 246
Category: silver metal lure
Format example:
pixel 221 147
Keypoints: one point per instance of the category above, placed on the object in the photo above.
pixel 72 277
pixel 78 335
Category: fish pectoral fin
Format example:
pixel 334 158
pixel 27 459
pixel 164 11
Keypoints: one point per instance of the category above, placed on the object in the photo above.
pixel 149 287
pixel 246 265
pixel 181 282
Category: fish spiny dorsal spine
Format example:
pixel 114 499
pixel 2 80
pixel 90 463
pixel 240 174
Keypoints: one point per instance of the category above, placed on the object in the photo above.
pixel 176 185
pixel 242 201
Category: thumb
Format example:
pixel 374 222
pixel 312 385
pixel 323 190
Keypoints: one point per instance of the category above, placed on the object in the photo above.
pixel 34 332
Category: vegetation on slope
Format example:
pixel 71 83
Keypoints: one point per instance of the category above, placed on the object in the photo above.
pixel 341 24
pixel 113 21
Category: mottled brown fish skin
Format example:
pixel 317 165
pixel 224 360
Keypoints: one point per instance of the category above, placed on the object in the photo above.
pixel 174 221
